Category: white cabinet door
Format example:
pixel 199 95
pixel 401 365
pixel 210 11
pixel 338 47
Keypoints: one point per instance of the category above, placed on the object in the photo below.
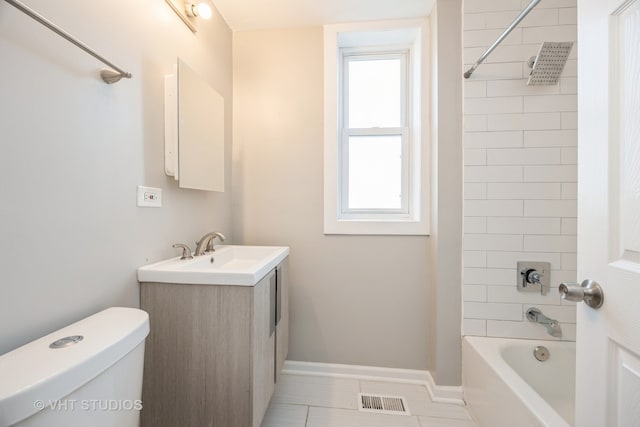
pixel 608 339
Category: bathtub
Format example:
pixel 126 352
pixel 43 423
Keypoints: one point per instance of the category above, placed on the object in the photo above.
pixel 504 384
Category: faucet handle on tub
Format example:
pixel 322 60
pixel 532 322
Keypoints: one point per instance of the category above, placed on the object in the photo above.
pixel 533 276
pixel 186 252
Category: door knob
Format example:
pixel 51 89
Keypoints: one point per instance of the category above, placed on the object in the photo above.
pixel 588 291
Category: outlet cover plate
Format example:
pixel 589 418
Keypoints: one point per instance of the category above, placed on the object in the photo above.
pixel 149 197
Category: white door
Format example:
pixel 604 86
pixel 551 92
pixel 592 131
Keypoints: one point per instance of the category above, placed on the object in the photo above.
pixel 608 339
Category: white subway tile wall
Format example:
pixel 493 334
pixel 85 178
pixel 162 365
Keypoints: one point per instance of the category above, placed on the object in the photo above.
pixel 520 169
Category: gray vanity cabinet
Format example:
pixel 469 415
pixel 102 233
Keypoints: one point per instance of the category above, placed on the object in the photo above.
pixel 214 352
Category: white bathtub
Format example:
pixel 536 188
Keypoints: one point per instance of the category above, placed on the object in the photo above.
pixel 504 384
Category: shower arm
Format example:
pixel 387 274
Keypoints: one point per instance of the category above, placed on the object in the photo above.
pixel 506 32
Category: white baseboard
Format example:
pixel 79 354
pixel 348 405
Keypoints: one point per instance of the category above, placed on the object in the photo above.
pixel 442 394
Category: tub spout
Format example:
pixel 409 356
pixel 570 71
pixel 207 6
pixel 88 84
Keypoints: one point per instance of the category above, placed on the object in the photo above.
pixel 553 327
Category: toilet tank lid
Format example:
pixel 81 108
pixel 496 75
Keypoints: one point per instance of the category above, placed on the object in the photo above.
pixel 36 373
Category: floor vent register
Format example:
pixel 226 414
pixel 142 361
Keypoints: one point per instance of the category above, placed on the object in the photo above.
pixel 380 404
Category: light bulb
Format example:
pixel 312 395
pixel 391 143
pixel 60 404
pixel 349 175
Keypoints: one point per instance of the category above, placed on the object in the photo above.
pixel 204 10
pixel 201 9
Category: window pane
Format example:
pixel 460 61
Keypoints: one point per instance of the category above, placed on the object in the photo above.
pixel 375 172
pixel 374 93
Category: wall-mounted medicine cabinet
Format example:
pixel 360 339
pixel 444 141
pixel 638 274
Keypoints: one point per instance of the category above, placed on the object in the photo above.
pixel 194 131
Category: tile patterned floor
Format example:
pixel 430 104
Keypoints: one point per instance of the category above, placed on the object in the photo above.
pixel 310 401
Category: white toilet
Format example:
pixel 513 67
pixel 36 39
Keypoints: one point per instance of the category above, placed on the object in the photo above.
pixel 86 374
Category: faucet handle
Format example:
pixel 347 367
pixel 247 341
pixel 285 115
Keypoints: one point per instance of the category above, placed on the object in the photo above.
pixel 532 276
pixel 186 252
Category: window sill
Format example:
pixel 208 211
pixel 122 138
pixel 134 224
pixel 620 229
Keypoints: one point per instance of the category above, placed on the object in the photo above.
pixel 377 227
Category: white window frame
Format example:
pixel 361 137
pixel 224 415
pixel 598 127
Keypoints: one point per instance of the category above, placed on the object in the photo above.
pixel 363 54
pixel 345 41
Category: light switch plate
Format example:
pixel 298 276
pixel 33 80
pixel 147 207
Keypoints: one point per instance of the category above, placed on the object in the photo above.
pixel 149 197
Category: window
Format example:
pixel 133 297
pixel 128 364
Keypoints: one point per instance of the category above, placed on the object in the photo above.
pixel 375 159
pixel 374 137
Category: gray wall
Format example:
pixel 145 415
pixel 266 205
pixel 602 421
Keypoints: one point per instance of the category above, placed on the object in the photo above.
pixel 74 149
pixel 354 299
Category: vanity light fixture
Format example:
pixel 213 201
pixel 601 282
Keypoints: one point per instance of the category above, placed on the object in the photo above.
pixel 190 10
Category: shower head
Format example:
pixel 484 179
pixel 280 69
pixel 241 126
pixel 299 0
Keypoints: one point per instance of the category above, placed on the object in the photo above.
pixel 547 66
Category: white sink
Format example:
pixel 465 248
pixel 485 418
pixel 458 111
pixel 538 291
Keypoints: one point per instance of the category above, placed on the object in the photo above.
pixel 228 265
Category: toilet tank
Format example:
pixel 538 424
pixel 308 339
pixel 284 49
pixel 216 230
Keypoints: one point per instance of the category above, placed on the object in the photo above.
pixel 92 381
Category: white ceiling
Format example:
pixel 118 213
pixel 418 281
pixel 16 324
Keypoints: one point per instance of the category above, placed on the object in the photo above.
pixel 244 15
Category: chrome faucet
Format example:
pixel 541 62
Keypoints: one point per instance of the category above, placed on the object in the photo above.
pixel 205 244
pixel 532 276
pixel 553 327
